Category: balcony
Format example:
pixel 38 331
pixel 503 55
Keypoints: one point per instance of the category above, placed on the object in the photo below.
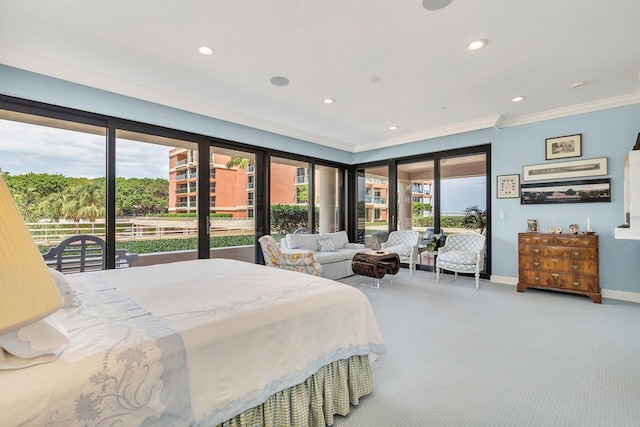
pixel 375 200
pixel 250 185
pixel 302 179
pixel 184 190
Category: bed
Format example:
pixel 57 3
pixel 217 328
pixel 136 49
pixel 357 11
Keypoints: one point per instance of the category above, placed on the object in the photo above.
pixel 205 342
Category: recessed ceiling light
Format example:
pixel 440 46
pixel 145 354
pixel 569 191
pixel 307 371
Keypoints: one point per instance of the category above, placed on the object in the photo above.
pixel 578 85
pixel 375 79
pixel 393 127
pixel 279 81
pixel 443 108
pixel 435 4
pixel 328 100
pixel 206 50
pixel 517 98
pixel 477 44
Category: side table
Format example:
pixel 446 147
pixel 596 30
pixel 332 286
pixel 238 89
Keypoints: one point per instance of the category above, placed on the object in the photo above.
pixel 375 264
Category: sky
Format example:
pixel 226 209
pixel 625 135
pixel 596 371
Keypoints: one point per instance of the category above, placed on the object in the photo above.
pixel 31 148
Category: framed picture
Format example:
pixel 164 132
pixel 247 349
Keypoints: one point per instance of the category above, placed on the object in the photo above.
pixel 562 147
pixel 560 170
pixel 532 226
pixel 508 186
pixel 584 191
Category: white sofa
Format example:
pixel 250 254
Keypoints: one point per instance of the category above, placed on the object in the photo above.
pixel 332 250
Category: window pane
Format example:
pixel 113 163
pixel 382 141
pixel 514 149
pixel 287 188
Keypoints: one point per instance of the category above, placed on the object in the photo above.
pixel 55 170
pixel 373 187
pixel 463 196
pixel 232 202
pixel 289 192
pixel 156 195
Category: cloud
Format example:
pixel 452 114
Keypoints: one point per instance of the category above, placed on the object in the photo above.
pixel 28 148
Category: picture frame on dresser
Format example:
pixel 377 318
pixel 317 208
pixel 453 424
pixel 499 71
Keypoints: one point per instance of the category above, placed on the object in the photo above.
pixel 508 186
pixel 532 226
pixel 563 147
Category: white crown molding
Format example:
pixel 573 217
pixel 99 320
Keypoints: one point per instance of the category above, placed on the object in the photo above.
pixel 471 125
pixel 110 84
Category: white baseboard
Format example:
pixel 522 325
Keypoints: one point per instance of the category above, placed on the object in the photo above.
pixel 505 280
pixel 606 293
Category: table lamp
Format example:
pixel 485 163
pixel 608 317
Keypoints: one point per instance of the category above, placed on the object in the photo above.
pixel 27 291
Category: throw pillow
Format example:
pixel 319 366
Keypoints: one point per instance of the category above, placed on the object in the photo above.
pixel 340 238
pixel 326 245
pixel 65 289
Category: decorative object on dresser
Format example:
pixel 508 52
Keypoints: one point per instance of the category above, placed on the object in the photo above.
pixel 532 226
pixel 563 146
pixel 565 263
pixel 574 228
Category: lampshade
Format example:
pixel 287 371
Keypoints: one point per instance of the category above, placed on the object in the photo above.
pixel 27 291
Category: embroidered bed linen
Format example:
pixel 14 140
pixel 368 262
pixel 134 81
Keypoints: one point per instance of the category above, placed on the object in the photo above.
pixel 195 342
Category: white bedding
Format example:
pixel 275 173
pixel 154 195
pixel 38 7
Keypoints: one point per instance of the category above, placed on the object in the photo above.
pixel 195 342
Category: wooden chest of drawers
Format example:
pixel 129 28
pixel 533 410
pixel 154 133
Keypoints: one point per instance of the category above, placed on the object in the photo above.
pixel 565 262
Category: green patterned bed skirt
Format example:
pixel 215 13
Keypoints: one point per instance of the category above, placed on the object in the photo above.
pixel 329 391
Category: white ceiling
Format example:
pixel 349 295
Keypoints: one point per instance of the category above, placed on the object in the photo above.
pixel 148 49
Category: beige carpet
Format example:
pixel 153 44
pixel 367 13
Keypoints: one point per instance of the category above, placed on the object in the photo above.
pixel 496 357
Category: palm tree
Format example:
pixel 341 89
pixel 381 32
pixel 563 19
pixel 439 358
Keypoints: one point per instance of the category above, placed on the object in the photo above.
pixel 85 200
pixel 52 206
pixel 239 162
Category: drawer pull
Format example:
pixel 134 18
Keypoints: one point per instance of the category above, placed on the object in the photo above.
pixel 555 274
pixel 555 259
pixel 555 248
pixel 576 253
pixel 574 239
pixel 565 241
pixel 536 264
pixel 576 283
pixel 545 240
pixel 536 250
pixel 537 278
pixel 575 267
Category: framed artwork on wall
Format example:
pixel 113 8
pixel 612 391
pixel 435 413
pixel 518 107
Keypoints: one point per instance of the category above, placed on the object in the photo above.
pixel 584 191
pixel 508 186
pixel 563 147
pixel 561 170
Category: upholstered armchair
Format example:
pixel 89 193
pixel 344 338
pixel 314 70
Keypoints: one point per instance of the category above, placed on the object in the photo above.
pixel 301 262
pixel 405 244
pixel 462 253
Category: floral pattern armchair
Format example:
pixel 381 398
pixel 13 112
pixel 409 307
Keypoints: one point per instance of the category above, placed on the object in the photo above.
pixel 301 262
pixel 462 253
pixel 405 244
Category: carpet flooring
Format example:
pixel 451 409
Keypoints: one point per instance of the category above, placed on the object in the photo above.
pixel 457 356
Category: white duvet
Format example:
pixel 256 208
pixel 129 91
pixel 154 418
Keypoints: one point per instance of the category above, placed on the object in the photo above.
pixel 194 342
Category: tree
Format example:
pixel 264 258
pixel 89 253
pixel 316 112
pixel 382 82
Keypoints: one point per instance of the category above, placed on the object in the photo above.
pixel 475 218
pixel 239 162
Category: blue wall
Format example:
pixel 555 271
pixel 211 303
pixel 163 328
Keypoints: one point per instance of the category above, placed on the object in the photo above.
pixel 608 133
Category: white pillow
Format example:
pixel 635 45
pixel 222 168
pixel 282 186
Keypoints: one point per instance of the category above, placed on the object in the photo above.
pixel 340 238
pixel 68 294
pixel 47 336
pixel 303 241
